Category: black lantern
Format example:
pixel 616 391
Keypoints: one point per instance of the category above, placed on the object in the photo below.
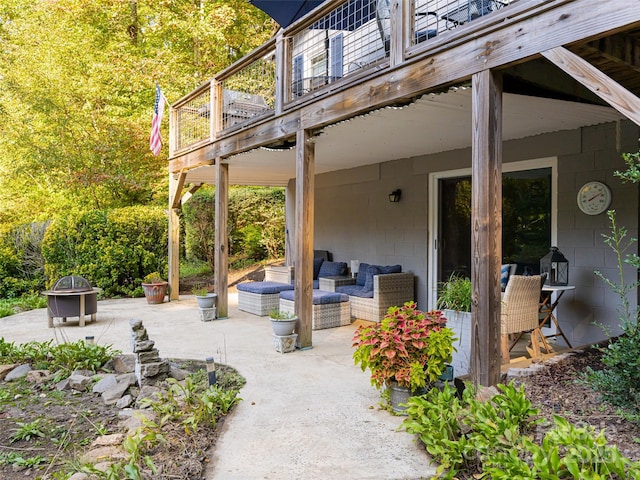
pixel 556 266
pixel 394 197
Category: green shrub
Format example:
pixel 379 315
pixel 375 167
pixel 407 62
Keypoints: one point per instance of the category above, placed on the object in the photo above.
pixel 490 439
pixel 461 433
pixel 21 262
pixel 619 381
pixel 113 249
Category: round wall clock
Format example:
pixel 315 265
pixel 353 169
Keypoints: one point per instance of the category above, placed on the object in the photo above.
pixel 594 198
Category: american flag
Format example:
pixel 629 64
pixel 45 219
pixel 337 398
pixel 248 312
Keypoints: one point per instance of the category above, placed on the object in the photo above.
pixel 155 142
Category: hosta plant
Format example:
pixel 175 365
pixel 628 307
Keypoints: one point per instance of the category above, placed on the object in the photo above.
pixel 408 346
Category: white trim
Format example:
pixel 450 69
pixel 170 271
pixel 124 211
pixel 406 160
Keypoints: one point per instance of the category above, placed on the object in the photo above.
pixel 432 268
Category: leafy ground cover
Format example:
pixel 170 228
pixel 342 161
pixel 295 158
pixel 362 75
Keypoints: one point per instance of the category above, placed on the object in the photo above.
pixel 45 432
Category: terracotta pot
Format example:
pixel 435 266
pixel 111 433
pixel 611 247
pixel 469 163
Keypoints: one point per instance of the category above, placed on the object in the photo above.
pixel 155 292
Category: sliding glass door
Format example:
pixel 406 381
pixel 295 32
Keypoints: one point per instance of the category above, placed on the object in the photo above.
pixel 527 227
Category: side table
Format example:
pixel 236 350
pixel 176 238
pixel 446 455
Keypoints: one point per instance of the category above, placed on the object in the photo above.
pixel 329 284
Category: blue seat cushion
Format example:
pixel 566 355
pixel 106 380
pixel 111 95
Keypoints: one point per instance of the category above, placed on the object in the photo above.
pixel 332 269
pixel 371 272
pixel 349 289
pixel 317 263
pixel 320 297
pixel 362 274
pixel 362 293
pixel 264 288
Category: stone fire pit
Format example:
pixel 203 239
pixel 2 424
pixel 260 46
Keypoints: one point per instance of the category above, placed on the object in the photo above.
pixel 72 296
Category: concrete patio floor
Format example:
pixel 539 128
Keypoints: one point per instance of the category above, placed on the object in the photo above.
pixel 306 414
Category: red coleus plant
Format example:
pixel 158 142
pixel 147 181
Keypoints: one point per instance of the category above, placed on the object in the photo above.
pixel 408 346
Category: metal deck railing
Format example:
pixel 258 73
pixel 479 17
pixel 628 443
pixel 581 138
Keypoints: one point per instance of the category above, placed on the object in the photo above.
pixel 323 49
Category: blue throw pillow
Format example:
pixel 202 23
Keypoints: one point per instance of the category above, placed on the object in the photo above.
pixel 391 269
pixel 504 276
pixel 362 274
pixel 317 263
pixel 332 269
pixel 368 283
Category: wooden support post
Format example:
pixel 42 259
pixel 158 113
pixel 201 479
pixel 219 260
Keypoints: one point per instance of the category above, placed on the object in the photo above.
pixel 486 226
pixel 221 267
pixel 175 185
pixel 305 151
pixel 283 79
pixel 397 27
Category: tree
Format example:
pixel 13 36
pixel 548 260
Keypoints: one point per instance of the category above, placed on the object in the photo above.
pixel 77 82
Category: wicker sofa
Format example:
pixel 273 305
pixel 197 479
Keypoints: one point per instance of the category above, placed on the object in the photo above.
pixel 375 291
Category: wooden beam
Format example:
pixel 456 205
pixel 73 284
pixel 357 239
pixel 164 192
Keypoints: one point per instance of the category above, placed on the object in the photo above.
pixel 174 238
pixel 605 87
pixel 176 188
pixel 187 196
pixel 486 221
pixel 305 153
pixel 221 267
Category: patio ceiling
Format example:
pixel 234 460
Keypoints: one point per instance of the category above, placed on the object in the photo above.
pixel 434 123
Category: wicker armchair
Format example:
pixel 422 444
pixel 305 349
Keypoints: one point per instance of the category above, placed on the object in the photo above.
pixel 520 312
pixel 389 290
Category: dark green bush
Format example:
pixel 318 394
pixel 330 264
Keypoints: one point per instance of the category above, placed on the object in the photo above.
pixel 21 262
pixel 113 249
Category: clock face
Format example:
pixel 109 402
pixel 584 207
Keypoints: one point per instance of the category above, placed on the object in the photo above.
pixel 594 198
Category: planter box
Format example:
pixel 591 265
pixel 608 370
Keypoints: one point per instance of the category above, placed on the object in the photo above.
pixel 460 323
pixel 285 343
pixel 208 314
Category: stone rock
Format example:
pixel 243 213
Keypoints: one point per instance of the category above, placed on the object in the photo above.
pixel 108 440
pixel 114 394
pixel 129 378
pixel 5 369
pixel 131 419
pixel 79 382
pixel 135 323
pixel 106 383
pixel 154 369
pixel 83 372
pixel 125 401
pixel 150 391
pixel 143 346
pixel 178 373
pixel 124 363
pixel 148 356
pixel 18 372
pixel 79 476
pixel 485 394
pixel 38 376
pixel 63 385
pixel 101 454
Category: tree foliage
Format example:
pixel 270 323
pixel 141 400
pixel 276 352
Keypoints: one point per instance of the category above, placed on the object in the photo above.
pixel 77 83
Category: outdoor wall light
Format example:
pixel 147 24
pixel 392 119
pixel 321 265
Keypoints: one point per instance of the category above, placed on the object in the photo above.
pixel 394 197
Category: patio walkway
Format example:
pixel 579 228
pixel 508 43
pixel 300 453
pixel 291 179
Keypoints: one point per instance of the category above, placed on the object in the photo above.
pixel 305 415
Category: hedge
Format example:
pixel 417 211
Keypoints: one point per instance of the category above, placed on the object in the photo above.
pixel 113 249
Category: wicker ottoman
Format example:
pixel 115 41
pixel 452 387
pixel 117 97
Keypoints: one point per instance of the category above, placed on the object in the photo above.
pixel 330 309
pixel 260 298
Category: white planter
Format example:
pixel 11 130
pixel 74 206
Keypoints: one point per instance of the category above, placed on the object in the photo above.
pixel 460 323
pixel 283 328
pixel 207 301
pixel 208 314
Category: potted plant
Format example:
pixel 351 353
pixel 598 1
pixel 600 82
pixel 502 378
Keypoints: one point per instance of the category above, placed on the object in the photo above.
pixel 203 297
pixel 455 299
pixel 155 288
pixel 406 352
pixel 282 323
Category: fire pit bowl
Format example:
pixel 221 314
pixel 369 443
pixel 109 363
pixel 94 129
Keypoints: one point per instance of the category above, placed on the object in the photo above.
pixel 71 296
